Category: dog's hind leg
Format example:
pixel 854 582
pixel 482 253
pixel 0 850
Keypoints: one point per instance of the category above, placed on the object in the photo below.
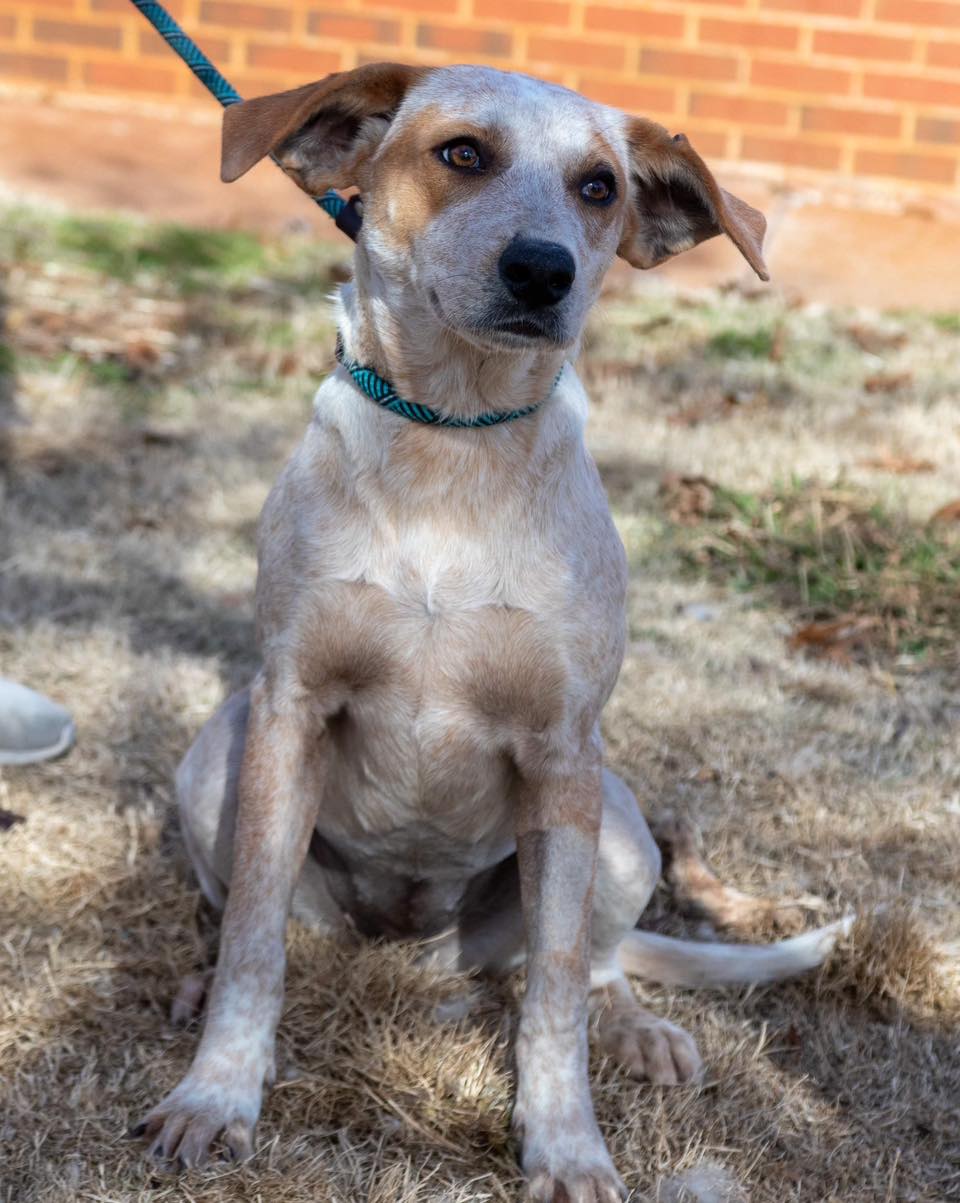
pixel 207 781
pixel 628 867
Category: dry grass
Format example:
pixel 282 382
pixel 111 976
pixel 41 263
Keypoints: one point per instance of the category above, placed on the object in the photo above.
pixel 160 406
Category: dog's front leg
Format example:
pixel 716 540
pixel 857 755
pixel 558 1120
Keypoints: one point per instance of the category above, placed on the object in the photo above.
pixel 558 827
pixel 280 785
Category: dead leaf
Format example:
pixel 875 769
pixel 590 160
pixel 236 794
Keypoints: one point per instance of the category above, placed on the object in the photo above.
pixel 652 323
pixel 721 405
pixel 687 498
pixel 887 382
pixel 141 355
pixel 902 465
pixel 834 640
pixel 874 339
pixel 160 436
pixel 947 513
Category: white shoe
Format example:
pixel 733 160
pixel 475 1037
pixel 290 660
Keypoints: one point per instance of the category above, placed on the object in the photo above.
pixel 32 728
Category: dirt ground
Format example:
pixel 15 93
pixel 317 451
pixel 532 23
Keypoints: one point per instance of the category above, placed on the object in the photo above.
pixel 772 465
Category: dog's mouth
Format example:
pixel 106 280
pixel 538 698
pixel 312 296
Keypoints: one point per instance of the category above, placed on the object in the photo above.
pixel 506 330
pixel 531 328
pixel 519 329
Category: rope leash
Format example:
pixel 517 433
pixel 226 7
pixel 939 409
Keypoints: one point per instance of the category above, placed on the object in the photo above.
pixel 346 214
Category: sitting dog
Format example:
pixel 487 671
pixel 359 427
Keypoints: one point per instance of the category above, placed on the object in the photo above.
pixel 441 605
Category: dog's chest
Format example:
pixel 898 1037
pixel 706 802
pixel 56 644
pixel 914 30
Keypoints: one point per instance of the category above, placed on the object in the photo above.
pixel 450 650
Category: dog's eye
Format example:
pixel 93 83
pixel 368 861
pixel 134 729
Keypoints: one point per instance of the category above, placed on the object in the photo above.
pixel 598 190
pixel 462 155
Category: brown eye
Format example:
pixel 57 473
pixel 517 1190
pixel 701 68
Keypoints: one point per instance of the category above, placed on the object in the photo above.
pixel 598 190
pixel 462 155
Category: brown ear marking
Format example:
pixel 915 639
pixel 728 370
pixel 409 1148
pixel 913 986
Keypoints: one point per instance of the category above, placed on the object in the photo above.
pixel 677 203
pixel 255 128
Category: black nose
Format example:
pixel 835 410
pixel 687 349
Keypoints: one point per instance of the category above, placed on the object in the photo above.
pixel 537 273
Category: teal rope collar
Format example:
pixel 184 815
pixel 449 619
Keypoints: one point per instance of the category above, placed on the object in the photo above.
pixel 381 391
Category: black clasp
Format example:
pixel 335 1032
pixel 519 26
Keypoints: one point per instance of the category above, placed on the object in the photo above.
pixel 350 217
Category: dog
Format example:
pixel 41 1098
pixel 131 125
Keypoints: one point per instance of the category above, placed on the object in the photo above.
pixel 441 606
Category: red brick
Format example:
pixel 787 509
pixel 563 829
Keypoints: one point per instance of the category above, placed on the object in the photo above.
pixel 152 44
pixel 796 77
pixel 8 25
pixel 249 16
pixel 531 12
pixel 635 97
pixel 811 8
pixel 920 12
pixel 861 45
pixel 688 66
pixel 464 41
pixel 78 33
pixel 289 56
pixel 944 54
pixel 913 87
pixel 749 33
pixel 791 152
pixel 938 129
pixel 247 83
pixel 131 77
pixel 352 28
pixel 741 109
pixel 930 168
pixel 708 143
pixel 577 52
pixel 852 121
pixel 175 8
pixel 421 7
pixel 62 6
pixel 33 66
pixel 647 23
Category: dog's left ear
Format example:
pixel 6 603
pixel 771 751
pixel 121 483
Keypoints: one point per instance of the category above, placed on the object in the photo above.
pixel 675 202
pixel 321 133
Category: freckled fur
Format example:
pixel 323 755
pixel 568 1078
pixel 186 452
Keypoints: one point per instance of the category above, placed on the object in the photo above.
pixel 441 612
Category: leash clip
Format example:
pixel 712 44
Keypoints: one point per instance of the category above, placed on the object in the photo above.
pixel 350 217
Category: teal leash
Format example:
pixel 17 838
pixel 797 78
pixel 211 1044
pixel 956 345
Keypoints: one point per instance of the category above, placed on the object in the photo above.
pixel 345 213
pixel 382 391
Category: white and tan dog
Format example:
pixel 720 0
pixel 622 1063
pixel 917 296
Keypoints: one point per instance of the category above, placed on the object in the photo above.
pixel 441 608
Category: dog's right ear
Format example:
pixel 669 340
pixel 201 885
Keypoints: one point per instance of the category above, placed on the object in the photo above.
pixel 320 133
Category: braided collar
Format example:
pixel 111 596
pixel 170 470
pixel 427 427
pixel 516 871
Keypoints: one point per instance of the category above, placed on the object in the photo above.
pixel 383 392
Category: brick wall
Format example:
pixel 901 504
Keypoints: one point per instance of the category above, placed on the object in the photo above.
pixel 868 88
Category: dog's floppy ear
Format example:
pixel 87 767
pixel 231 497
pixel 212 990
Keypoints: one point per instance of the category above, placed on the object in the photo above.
pixel 675 202
pixel 319 133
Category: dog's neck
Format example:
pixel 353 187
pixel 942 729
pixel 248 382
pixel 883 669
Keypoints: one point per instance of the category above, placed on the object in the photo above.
pixel 396 333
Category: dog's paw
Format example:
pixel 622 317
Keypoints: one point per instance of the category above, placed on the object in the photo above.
pixel 182 1129
pixel 575 1185
pixel 565 1159
pixel 649 1048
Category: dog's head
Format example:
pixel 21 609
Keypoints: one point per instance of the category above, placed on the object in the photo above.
pixel 501 200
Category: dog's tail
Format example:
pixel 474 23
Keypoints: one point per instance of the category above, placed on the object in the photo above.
pixel 689 963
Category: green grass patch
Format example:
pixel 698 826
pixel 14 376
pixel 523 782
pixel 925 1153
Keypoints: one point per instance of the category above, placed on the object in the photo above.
pixel 826 552
pixel 124 249
pixel 167 257
pixel 949 322
pixel 743 344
